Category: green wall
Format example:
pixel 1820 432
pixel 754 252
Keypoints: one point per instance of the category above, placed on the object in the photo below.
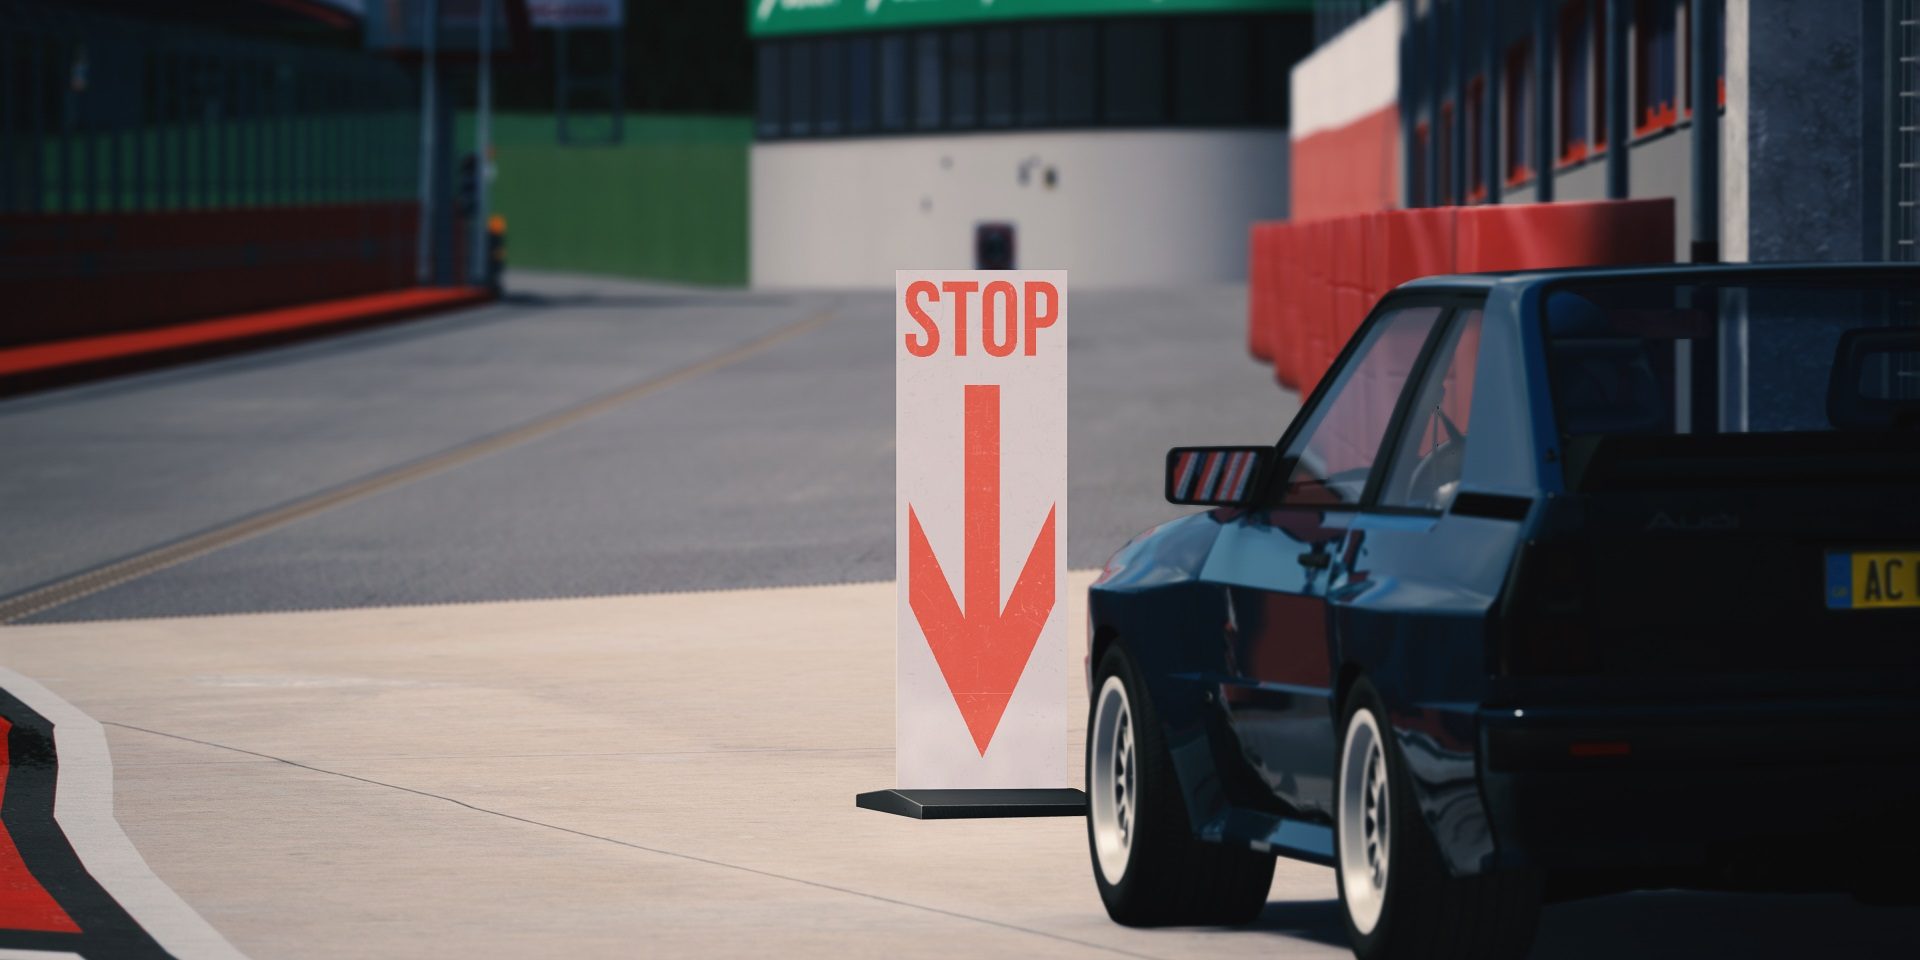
pixel 668 203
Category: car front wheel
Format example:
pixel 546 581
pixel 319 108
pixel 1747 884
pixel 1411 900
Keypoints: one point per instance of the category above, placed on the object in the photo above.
pixel 1399 900
pixel 1151 869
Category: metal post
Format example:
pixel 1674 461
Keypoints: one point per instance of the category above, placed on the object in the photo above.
pixel 429 94
pixel 1457 139
pixel 1491 167
pixel 482 145
pixel 1543 69
pixel 1617 146
pixel 1704 62
pixel 1409 104
pixel 1435 87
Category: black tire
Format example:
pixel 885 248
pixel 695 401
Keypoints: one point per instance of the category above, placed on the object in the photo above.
pixel 1424 912
pixel 1169 877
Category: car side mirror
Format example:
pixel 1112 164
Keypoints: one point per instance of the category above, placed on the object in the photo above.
pixel 1875 383
pixel 1215 476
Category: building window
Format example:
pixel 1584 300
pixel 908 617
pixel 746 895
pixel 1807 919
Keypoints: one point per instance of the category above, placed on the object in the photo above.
pixel 1212 78
pixel 1576 81
pixel 927 72
pixel 996 65
pixel 1136 71
pixel 963 79
pixel 893 82
pixel 769 119
pixel 1656 65
pixel 800 88
pixel 1445 189
pixel 831 95
pixel 860 99
pixel 1207 70
pixel 1519 119
pixel 1075 85
pixel 1417 168
pixel 1034 58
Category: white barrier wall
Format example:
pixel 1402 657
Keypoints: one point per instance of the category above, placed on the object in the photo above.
pixel 1126 208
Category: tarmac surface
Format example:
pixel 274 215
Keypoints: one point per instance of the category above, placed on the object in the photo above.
pixel 595 648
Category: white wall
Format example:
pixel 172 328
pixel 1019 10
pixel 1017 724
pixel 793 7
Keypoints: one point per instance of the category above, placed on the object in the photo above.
pixel 1355 74
pixel 1130 207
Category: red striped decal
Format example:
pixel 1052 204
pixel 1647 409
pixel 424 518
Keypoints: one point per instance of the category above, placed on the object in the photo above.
pixel 24 903
pixel 1209 477
pixel 1237 479
pixel 1184 471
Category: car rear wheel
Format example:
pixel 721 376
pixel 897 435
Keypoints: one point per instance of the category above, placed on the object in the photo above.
pixel 1398 899
pixel 1150 868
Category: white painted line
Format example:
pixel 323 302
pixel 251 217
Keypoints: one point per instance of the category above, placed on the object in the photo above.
pixel 83 807
pixel 18 954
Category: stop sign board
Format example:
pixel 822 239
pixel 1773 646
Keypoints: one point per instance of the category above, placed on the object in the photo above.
pixel 980 429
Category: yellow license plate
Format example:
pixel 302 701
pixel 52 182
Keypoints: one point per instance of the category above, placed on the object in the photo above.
pixel 1877 579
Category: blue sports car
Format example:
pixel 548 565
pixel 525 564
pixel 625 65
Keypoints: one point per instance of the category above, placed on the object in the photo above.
pixel 1560 583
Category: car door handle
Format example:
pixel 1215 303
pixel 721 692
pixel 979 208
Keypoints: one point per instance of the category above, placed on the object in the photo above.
pixel 1317 560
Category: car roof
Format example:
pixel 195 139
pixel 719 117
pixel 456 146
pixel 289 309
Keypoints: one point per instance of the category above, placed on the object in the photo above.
pixel 1677 272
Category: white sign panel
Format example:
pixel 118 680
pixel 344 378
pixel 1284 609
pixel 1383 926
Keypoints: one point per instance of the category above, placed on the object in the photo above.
pixel 980 428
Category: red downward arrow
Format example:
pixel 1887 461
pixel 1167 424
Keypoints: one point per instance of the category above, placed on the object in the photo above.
pixel 983 651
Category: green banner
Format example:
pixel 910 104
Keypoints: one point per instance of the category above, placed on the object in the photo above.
pixel 770 18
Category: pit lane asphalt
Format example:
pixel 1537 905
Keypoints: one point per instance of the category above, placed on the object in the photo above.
pixel 774 470
pixel 648 772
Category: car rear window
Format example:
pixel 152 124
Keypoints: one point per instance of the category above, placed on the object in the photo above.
pixel 1673 356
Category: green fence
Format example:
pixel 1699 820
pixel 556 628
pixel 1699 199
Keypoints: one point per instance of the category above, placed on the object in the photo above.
pixel 669 202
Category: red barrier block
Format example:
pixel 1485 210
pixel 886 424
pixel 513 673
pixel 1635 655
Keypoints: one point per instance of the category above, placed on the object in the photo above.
pixel 1259 289
pixel 1291 281
pixel 1413 243
pixel 1349 249
pixel 1543 235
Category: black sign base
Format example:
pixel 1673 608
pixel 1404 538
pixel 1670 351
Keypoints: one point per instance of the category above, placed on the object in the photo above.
pixel 976 804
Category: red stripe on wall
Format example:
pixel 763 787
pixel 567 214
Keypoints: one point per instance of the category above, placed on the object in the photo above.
pixel 24 903
pixel 66 353
pixel 1349 169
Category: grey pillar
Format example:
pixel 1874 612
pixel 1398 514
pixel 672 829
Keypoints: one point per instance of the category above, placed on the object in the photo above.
pixel 1616 120
pixel 1457 55
pixel 1490 159
pixel 1435 87
pixel 1704 65
pixel 1543 44
pixel 1409 110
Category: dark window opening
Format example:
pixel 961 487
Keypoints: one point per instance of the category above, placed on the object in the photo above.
pixel 1135 69
pixel 1075 85
pixel 996 67
pixel 769 119
pixel 893 82
pixel 927 70
pixel 800 88
pixel 1034 58
pixel 963 79
pixel 831 104
pixel 860 90
pixel 1212 75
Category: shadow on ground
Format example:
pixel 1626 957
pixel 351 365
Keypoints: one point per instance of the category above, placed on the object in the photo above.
pixel 1672 925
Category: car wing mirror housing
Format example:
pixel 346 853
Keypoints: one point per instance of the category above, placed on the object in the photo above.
pixel 1216 476
pixel 1875 383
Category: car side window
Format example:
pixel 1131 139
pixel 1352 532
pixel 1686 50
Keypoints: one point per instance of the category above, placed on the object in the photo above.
pixel 1424 473
pixel 1333 453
